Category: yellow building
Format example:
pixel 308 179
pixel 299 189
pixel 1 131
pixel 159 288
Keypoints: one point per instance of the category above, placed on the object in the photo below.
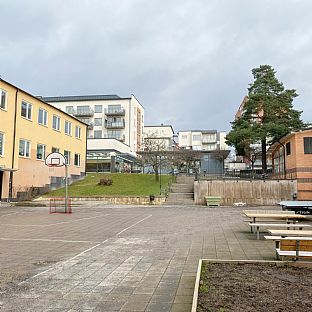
pixel 30 129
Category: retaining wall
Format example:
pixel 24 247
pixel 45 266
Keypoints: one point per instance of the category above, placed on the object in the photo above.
pixel 255 192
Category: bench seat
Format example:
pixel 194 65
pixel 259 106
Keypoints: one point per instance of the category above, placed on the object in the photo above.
pixel 278 225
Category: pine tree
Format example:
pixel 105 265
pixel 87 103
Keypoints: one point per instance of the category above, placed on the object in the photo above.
pixel 268 115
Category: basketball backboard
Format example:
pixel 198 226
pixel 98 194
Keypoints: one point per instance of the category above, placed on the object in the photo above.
pixel 55 160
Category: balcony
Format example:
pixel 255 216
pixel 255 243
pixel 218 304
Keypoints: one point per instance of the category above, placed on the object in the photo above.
pixel 83 112
pixel 117 137
pixel 209 141
pixel 115 125
pixel 114 111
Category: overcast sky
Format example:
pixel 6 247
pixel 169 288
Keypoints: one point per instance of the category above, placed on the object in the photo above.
pixel 188 62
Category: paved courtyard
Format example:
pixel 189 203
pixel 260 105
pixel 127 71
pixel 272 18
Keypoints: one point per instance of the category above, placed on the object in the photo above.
pixel 115 258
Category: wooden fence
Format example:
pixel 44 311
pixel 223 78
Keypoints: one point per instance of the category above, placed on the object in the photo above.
pixel 254 192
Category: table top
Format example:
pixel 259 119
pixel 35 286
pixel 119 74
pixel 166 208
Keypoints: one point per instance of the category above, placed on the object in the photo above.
pixel 274 215
pixel 296 203
pixel 291 232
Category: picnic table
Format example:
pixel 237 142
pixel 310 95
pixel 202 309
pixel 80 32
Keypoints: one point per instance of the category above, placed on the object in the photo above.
pixel 299 206
pixel 277 215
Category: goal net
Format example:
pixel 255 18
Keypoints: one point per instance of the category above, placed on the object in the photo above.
pixel 58 205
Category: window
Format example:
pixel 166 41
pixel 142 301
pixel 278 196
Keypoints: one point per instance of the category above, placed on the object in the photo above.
pixel 1 144
pixel 196 137
pixel 184 136
pixel 55 150
pixel 98 121
pixel 83 110
pixel 56 122
pixel 41 151
pixel 98 108
pixel 26 110
pixel 307 145
pixel 114 134
pixel 97 134
pixel 42 117
pixel 3 99
pixel 68 127
pixel 288 151
pixel 67 157
pixel 69 109
pixel 78 132
pixel 77 160
pixel 24 148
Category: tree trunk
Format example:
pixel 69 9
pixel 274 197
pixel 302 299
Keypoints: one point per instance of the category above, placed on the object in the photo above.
pixel 264 156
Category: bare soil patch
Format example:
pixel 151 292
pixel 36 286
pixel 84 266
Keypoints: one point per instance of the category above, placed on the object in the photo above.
pixel 254 287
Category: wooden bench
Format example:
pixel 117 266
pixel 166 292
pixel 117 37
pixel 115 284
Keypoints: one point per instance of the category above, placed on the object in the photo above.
pixel 276 225
pixel 213 200
pixel 268 211
pixel 293 247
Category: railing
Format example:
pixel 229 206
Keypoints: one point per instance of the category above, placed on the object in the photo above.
pixel 83 112
pixel 114 111
pixel 242 175
pixel 115 125
pixel 119 138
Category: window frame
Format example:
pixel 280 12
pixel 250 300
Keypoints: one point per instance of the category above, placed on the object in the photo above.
pixel 44 151
pixel 307 145
pixel 97 131
pixel 78 164
pixel 3 92
pixel 78 131
pixel 98 111
pixel 97 123
pixel 28 114
pixel 57 124
pixel 288 148
pixel 67 158
pixel 68 127
pixel 2 144
pixel 27 144
pixel 44 117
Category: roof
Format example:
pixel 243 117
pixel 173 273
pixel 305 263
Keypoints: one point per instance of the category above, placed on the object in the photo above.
pixel 202 131
pixel 43 101
pixel 70 98
pixel 160 126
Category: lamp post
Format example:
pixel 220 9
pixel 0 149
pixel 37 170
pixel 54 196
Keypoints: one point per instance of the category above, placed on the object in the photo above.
pixel 159 174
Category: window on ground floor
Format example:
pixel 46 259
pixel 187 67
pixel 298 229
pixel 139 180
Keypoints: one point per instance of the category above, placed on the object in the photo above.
pixel 24 148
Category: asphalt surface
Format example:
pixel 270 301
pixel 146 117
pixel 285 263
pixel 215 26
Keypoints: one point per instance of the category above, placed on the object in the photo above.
pixel 115 258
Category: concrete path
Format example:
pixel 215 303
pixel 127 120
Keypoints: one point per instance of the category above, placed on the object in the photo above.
pixel 115 258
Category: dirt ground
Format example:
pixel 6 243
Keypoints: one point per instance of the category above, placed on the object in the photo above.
pixel 254 287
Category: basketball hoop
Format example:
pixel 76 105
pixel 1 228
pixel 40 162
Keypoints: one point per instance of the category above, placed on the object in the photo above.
pixel 59 160
pixel 55 160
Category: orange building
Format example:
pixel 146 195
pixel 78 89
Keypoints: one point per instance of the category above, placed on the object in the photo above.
pixel 292 159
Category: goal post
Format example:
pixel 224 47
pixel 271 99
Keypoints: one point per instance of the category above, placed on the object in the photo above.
pixel 60 205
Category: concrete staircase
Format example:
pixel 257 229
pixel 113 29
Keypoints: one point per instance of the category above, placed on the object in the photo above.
pixel 181 192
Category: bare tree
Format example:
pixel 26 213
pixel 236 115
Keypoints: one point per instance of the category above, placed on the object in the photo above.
pixel 155 153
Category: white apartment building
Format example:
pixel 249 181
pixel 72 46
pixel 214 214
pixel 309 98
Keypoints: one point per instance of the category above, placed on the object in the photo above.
pixel 115 128
pixel 202 140
pixel 164 134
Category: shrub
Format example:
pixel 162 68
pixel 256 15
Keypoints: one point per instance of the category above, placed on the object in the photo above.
pixel 105 181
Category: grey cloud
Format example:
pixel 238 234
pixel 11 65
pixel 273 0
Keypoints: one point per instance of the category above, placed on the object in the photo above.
pixel 188 62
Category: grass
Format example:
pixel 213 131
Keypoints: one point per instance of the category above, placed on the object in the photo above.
pixel 123 184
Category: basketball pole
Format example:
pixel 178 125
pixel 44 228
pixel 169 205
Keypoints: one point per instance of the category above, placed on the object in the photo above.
pixel 66 187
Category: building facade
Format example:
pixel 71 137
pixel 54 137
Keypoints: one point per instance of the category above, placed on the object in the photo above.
pixel 115 128
pixel 164 134
pixel 202 140
pixel 292 159
pixel 30 129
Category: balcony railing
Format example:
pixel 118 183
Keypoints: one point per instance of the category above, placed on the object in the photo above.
pixel 115 125
pixel 114 111
pixel 85 112
pixel 117 137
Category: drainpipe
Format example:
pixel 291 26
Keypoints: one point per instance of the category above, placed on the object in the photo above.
pixel 13 151
pixel 284 156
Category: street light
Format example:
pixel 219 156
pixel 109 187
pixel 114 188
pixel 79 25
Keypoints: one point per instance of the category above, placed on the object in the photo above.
pixel 159 174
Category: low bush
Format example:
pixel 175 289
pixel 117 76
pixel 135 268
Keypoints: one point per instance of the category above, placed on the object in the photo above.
pixel 105 182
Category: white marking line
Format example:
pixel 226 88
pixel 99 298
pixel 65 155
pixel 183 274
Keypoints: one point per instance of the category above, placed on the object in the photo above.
pixel 44 240
pixel 129 227
pixel 51 224
pixel 89 249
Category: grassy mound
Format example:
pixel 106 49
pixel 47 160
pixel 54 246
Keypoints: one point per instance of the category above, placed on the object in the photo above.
pixel 123 184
